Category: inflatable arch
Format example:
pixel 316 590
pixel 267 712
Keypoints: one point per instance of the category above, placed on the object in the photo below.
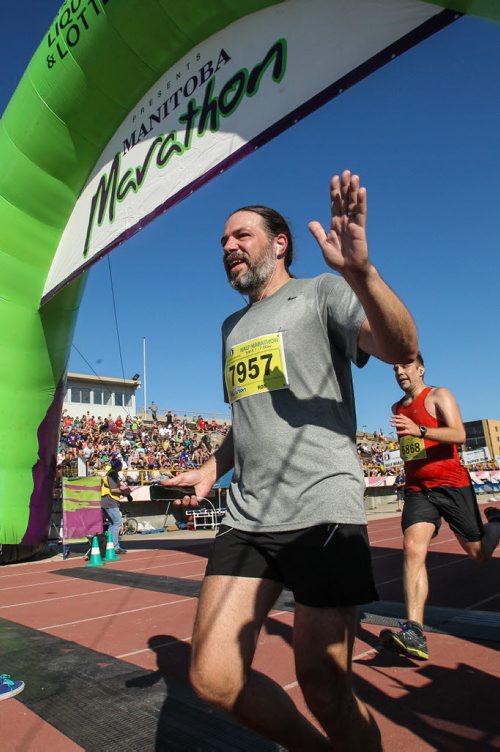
pixel 127 107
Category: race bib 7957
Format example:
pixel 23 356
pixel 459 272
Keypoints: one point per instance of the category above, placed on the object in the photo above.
pixel 255 366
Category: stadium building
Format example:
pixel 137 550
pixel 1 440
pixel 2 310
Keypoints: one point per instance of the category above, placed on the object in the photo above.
pixel 100 396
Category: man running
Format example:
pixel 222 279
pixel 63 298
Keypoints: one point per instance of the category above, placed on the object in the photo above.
pixel 295 514
pixel 429 426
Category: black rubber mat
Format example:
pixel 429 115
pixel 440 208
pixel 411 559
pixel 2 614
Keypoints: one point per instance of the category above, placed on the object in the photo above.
pixel 107 705
pixel 139 580
pixel 158 583
pixel 472 624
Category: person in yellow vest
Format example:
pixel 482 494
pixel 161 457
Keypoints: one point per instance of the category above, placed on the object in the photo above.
pixel 112 489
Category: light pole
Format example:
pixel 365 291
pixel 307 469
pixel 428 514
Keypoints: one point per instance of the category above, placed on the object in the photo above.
pixel 145 378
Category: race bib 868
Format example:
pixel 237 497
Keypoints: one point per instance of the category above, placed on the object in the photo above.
pixel 412 448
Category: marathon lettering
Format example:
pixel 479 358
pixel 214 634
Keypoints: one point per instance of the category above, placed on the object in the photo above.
pixel 167 86
pixel 113 187
pixel 172 102
pixel 74 18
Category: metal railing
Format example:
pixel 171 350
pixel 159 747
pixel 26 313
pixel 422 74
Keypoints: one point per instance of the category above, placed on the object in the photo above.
pixel 191 415
pixel 145 477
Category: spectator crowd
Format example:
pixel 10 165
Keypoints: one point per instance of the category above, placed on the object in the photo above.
pixel 151 448
pixel 147 448
pixel 372 448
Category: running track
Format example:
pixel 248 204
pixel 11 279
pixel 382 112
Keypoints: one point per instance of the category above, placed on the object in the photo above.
pixel 104 653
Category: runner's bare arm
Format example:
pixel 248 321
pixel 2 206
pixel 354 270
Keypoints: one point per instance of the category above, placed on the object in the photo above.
pixel 389 332
pixel 447 412
pixel 441 403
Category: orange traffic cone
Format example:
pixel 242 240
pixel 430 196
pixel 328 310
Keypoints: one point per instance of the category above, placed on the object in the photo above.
pixel 95 554
pixel 110 549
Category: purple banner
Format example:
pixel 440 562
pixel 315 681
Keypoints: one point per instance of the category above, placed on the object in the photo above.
pixel 82 514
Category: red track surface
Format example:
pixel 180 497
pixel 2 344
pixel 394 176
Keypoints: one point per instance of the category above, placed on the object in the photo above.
pixel 419 706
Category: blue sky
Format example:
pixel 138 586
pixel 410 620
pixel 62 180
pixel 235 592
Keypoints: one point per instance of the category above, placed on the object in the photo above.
pixel 422 133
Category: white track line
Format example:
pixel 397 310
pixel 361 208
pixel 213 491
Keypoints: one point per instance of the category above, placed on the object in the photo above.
pixel 366 653
pixel 112 615
pixel 61 580
pixel 430 569
pixel 480 603
pixel 63 597
pixel 399 537
pixel 390 522
pixel 163 566
pixel 396 551
pixel 182 639
pixel 382 540
pixel 66 580
pixel 26 574
pixel 198 574
pixel 94 592
pixel 132 571
pixel 71 564
pixel 157 647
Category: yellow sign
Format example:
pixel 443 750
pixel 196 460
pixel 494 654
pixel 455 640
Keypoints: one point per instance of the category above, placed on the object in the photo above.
pixel 256 366
pixel 412 448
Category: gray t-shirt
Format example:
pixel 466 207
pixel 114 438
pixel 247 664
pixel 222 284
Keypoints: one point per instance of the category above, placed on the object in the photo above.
pixel 288 371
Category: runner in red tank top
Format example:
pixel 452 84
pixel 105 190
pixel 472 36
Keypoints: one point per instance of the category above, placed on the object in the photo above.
pixel 428 463
pixel 430 428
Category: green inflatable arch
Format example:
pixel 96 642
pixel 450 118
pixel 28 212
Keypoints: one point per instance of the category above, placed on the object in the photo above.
pixel 95 64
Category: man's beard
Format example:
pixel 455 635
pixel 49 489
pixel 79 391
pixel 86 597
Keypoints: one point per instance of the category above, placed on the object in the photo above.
pixel 257 275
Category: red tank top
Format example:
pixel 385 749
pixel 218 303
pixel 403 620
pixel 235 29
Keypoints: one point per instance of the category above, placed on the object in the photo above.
pixel 429 463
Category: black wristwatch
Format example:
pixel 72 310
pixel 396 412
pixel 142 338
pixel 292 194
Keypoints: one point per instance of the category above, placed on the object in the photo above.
pixel 423 431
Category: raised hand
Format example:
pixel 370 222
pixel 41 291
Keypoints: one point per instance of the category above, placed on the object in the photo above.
pixel 344 247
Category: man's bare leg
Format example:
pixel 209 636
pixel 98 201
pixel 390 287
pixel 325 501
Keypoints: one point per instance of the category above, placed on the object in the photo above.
pixel 410 641
pixel 416 542
pixel 231 612
pixel 323 642
pixel 483 549
pixel 491 537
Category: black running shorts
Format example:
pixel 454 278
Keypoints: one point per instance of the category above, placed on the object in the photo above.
pixel 324 566
pixel 458 506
